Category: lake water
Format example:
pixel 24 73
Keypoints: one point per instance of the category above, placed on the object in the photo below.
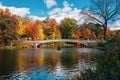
pixel 46 64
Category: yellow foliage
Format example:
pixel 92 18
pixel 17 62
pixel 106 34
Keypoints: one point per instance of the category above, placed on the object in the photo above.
pixel 21 29
pixel 40 33
pixel 53 36
pixel 56 35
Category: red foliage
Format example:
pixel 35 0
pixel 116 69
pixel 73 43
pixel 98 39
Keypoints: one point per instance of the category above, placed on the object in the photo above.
pixel 88 34
pixel 31 31
pixel 85 33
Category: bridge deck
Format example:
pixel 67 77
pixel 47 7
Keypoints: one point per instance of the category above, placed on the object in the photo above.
pixel 64 40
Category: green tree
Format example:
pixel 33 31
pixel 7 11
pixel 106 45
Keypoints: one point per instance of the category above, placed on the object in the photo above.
pixel 67 27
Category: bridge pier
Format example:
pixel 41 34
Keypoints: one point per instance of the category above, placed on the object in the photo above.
pixel 36 45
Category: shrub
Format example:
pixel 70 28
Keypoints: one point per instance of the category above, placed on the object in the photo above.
pixel 108 64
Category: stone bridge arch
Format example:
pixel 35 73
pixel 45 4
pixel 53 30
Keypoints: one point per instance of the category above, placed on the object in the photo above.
pixel 85 42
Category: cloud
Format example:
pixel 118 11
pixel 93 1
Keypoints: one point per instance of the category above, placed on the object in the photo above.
pixel 115 25
pixel 17 11
pixel 50 3
pixel 66 4
pixel 67 11
pixel 36 17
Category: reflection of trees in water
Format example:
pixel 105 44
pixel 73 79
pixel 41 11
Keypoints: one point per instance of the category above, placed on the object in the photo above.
pixel 41 59
pixel 71 59
pixel 74 63
pixel 63 65
pixel 29 59
pixel 52 59
pixel 7 63
pixel 68 60
pixel 76 66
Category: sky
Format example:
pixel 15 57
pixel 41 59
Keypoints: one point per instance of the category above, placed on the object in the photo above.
pixel 42 9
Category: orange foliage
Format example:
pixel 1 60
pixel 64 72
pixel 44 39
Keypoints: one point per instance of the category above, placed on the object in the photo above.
pixel 8 26
pixel 87 34
pixel 31 31
pixel 52 23
pixel 54 33
pixel 109 33
pixel 77 35
pixel 5 12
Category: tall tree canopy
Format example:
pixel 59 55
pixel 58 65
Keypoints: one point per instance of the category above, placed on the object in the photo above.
pixel 32 31
pixel 8 26
pixel 106 11
pixel 67 27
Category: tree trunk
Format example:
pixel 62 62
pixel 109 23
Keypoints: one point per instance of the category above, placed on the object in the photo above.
pixel 105 29
pixel 104 33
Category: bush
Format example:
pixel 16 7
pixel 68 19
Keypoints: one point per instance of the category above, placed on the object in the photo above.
pixel 108 64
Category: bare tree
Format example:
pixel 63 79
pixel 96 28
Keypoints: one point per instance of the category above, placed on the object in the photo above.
pixel 106 11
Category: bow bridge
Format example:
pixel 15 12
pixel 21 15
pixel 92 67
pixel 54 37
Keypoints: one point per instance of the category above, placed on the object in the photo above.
pixel 85 42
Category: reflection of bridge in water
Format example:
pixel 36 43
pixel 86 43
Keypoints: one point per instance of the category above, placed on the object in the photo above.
pixel 85 42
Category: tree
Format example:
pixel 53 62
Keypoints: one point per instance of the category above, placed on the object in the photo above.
pixel 77 35
pixel 21 29
pixel 85 33
pixel 106 10
pixel 47 32
pixel 58 34
pixel 31 31
pixel 93 27
pixel 67 27
pixel 8 26
pixel 40 33
pixel 52 23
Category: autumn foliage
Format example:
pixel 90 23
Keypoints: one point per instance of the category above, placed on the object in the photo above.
pixel 8 27
pixel 16 27
pixel 21 29
pixel 31 31
pixel 87 34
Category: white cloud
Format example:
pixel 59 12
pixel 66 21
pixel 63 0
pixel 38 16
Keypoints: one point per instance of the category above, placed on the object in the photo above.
pixel 115 26
pixel 50 3
pixel 36 17
pixel 66 4
pixel 72 5
pixel 67 11
pixel 17 11
pixel 0 4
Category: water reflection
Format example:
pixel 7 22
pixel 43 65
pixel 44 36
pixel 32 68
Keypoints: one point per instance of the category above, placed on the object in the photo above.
pixel 45 64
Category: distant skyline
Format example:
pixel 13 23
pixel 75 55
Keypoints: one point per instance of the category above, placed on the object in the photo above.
pixel 41 9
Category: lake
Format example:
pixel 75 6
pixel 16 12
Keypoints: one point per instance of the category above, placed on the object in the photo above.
pixel 46 64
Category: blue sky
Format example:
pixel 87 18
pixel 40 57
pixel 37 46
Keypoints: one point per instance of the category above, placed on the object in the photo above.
pixel 41 8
